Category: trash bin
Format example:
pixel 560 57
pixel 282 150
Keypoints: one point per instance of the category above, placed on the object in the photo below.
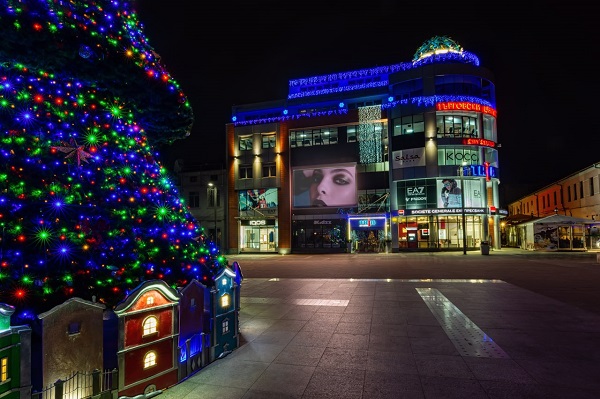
pixel 485 248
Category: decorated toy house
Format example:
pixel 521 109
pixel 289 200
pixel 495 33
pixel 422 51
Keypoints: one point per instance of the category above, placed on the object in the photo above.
pixel 194 328
pixel 148 339
pixel 15 357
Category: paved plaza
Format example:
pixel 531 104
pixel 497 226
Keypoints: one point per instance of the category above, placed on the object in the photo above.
pixel 514 324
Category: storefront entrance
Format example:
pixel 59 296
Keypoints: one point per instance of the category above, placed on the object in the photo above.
pixel 440 232
pixel 258 236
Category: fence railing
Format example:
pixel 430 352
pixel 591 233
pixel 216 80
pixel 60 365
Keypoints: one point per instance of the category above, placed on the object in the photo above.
pixel 81 385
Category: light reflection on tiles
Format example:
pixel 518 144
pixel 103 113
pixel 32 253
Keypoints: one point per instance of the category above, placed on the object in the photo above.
pixel 292 301
pixel 466 336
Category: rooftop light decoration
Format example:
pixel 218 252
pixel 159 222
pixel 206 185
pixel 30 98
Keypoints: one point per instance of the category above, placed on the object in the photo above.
pixel 437 45
pixel 86 208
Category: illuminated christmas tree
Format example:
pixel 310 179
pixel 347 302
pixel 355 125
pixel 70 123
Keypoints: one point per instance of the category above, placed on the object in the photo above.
pixel 86 209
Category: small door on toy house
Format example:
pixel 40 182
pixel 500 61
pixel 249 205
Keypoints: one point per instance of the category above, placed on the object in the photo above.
pixel 15 357
pixel 194 328
pixel 148 339
pixel 225 336
pixel 71 337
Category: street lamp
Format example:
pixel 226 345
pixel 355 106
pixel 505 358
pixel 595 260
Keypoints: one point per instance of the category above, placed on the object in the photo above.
pixel 461 172
pixel 212 190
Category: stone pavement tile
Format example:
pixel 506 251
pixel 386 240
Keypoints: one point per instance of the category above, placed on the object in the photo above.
pixel 328 316
pixel 443 366
pixel 257 352
pixel 403 363
pixel 337 383
pixel 421 316
pixel 286 325
pixel 310 338
pixel 257 394
pixel 356 318
pixel 389 330
pixel 275 337
pixel 496 369
pixel 388 384
pixel 360 308
pixel 348 358
pixel 283 380
pixel 252 309
pixel 548 346
pixel 389 316
pixel 436 387
pixel 276 312
pixel 300 313
pixel 300 355
pixel 357 327
pixel 208 391
pixel 330 310
pixel 353 341
pixel 231 373
pixel 437 345
pixel 563 373
pixel 510 390
pixel 379 342
pixel 322 326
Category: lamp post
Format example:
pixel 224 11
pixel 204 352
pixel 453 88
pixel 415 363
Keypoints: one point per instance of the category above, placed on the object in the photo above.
pixel 212 190
pixel 461 172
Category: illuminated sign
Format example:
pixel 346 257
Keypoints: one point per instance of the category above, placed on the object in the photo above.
pixel 465 106
pixel 437 211
pixel 257 222
pixel 367 222
pixel 482 142
pixel 485 170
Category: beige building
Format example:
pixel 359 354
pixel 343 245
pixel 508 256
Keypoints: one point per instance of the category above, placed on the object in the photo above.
pixel 574 201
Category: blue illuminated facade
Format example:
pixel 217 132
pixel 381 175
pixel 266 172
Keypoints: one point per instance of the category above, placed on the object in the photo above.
pixel 410 148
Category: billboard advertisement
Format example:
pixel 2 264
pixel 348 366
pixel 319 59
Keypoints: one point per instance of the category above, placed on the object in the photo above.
pixel 325 186
pixel 441 194
pixel 258 199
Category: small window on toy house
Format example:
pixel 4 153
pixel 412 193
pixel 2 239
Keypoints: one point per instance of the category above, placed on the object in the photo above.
pixel 74 328
pixel 150 325
pixel 225 326
pixel 150 300
pixel 149 359
pixel 225 301
pixel 3 369
pixel 193 303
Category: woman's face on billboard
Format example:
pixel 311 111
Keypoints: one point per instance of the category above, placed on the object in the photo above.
pixel 332 187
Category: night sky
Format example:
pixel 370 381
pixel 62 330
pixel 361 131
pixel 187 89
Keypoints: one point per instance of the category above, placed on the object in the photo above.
pixel 543 58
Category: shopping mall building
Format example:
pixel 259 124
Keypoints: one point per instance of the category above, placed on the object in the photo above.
pixel 391 158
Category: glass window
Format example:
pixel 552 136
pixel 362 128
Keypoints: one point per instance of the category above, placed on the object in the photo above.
pixel 149 325
pixel 268 141
pixel 225 326
pixel 246 143
pixel 269 170
pixel 409 125
pixel 214 196
pixel 245 172
pixel 351 134
pixel 194 199
pixel 150 359
pixel 456 125
pixel 3 369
